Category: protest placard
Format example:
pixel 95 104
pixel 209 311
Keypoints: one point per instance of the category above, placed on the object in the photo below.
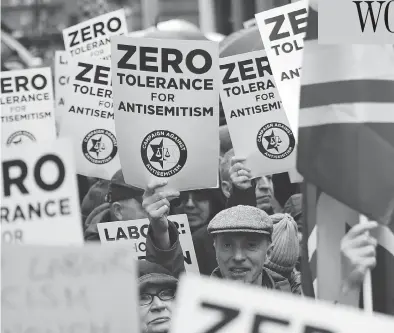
pixel 136 231
pixel 69 289
pixel 61 82
pixel 39 195
pixel 282 30
pixel 256 120
pixel 211 305
pixel 92 37
pixel 89 118
pixel 27 106
pixel 166 106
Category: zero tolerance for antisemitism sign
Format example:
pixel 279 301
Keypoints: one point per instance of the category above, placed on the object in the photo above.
pixel 206 305
pixel 39 195
pixel 356 22
pixel 91 38
pixel 166 105
pixel 282 30
pixel 89 118
pixel 257 123
pixel 27 106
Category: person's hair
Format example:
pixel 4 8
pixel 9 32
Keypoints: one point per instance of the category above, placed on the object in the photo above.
pixel 225 165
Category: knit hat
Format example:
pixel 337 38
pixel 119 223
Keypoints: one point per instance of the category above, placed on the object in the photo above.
pixel 285 247
pixel 293 206
pixel 119 190
pixel 241 219
pixel 150 274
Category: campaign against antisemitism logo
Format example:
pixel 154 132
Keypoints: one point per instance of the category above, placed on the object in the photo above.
pixel 20 137
pixel 275 140
pixel 99 146
pixel 164 153
pixel 356 22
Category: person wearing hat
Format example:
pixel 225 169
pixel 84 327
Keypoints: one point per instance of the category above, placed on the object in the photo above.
pixel 157 288
pixel 284 254
pixel 241 237
pixel 122 202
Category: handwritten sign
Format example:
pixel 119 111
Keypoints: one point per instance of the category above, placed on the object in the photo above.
pixel 283 30
pixel 166 106
pixel 211 305
pixel 257 123
pixel 92 37
pixel 59 289
pixel 136 231
pixel 27 106
pixel 89 118
pixel 39 195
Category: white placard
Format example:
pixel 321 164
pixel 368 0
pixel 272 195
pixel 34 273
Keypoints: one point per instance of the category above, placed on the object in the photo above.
pixel 91 38
pixel 39 198
pixel 136 231
pixel 166 106
pixel 68 289
pixel 89 118
pixel 257 123
pixel 205 305
pixel 282 30
pixel 62 78
pixel 27 106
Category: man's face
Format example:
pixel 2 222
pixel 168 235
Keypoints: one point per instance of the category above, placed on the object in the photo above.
pixel 195 204
pixel 264 192
pixel 155 317
pixel 241 256
pixel 131 209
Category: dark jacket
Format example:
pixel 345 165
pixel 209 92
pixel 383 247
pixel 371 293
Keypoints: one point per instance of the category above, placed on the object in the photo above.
pixel 171 259
pixel 291 284
pixel 98 215
pixel 267 281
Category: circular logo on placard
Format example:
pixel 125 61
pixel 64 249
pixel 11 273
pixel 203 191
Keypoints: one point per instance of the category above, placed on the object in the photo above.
pixel 99 146
pixel 275 141
pixel 164 153
pixel 20 137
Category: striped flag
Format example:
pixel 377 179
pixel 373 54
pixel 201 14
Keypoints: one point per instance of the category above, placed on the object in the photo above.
pixel 346 150
pixel 346 134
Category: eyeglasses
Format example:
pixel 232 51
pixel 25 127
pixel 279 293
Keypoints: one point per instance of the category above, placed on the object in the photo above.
pixel 199 195
pixel 164 295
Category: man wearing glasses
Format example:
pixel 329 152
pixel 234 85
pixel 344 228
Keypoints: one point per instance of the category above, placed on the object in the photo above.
pixel 157 289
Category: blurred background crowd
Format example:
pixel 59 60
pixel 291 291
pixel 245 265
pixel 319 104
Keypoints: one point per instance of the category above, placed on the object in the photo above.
pixel 31 30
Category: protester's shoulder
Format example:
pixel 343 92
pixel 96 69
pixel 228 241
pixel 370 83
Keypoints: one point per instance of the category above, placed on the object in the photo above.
pixel 99 215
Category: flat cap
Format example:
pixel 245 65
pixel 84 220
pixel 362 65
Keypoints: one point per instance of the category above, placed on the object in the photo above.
pixel 241 219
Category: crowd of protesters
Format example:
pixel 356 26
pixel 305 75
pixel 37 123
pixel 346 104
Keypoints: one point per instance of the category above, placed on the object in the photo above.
pixel 248 230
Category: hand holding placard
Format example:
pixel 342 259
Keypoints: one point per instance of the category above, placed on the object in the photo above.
pixel 157 206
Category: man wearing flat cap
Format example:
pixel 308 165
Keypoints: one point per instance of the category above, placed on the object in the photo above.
pixel 242 237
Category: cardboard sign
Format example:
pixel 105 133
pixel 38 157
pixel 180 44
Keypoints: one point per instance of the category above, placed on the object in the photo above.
pixel 62 79
pixel 27 106
pixel 211 305
pixel 166 106
pixel 92 37
pixel 283 30
pixel 39 195
pixel 256 121
pixel 66 289
pixel 136 231
pixel 89 118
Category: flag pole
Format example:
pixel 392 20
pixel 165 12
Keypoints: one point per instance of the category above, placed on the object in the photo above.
pixel 367 284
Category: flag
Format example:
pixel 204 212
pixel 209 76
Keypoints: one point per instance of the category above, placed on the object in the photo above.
pixel 318 278
pixel 346 133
